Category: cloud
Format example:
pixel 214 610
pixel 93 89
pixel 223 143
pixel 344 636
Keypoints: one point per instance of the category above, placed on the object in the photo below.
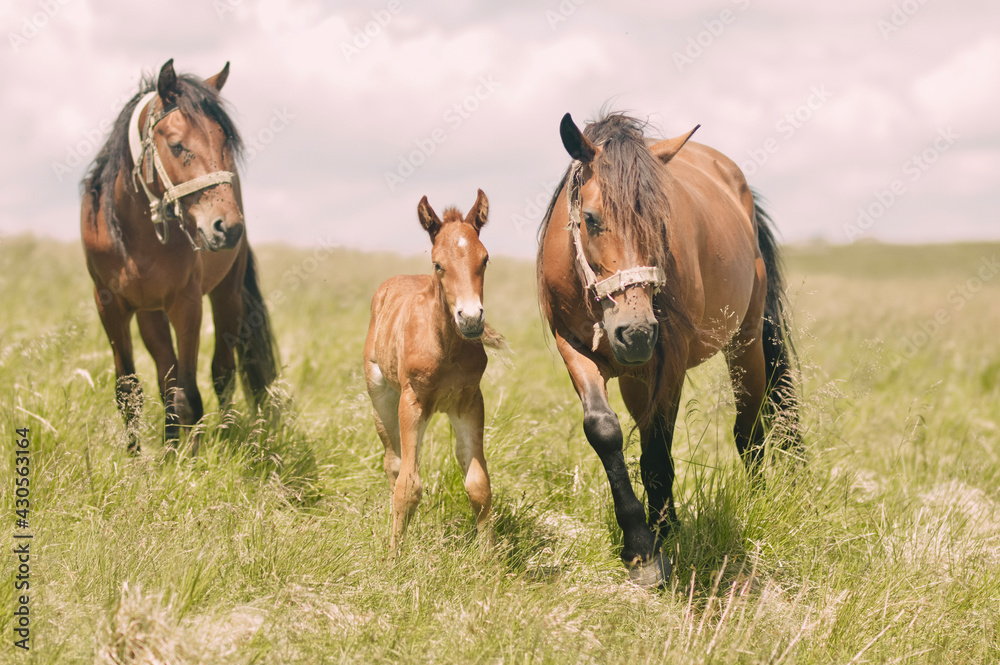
pixel 366 86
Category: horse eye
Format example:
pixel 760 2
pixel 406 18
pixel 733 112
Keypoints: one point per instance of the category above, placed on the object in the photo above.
pixel 594 226
pixel 176 149
pixel 485 261
pixel 438 268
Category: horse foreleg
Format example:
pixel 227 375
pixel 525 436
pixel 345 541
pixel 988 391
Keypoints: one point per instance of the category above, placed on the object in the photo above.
pixel 656 435
pixel 604 433
pixel 413 418
pixel 155 330
pixel 227 311
pixel 185 316
pixel 468 420
pixel 117 319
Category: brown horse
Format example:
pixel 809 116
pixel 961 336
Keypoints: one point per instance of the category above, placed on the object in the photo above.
pixel 144 237
pixel 653 256
pixel 424 354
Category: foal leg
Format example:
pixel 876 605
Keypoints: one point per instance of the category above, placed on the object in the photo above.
pixel 604 433
pixel 155 330
pixel 385 400
pixel 117 319
pixel 413 419
pixel 468 419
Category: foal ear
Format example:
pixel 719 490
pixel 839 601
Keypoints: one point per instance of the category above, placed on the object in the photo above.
pixel 428 218
pixel 480 210
pixel 219 79
pixel 166 83
pixel 667 148
pixel 577 145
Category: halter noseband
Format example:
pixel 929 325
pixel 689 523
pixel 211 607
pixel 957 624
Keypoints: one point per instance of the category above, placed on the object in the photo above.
pixel 143 147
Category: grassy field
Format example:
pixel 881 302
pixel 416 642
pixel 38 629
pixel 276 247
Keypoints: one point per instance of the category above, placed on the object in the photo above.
pixel 271 546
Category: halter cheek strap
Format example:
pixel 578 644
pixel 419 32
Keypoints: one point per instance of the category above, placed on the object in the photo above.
pixel 619 281
pixel 145 154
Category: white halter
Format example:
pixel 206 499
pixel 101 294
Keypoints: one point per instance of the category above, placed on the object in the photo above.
pixel 143 147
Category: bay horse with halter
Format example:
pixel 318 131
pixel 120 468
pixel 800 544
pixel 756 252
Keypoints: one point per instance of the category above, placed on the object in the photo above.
pixel 424 354
pixel 653 256
pixel 154 248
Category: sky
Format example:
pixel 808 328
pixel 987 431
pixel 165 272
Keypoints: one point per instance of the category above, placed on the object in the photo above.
pixel 856 120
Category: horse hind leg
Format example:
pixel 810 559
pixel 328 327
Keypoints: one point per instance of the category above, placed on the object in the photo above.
pixel 155 331
pixel 117 320
pixel 468 421
pixel 385 403
pixel 748 375
pixel 782 412
pixel 406 493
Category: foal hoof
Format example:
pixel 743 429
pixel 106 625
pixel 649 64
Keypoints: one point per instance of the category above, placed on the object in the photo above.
pixel 652 574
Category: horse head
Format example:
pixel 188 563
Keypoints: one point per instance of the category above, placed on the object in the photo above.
pixel 195 147
pixel 459 261
pixel 618 210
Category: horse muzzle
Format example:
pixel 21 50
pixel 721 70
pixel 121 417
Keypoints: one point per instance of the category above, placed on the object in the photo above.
pixel 222 236
pixel 632 343
pixel 471 324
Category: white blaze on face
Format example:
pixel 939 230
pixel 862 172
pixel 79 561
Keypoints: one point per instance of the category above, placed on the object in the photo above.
pixel 462 242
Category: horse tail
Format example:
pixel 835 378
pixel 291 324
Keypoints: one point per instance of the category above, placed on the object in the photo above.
pixel 779 350
pixel 257 353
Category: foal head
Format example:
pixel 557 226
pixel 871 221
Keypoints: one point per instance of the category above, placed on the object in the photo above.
pixel 623 210
pixel 198 140
pixel 459 261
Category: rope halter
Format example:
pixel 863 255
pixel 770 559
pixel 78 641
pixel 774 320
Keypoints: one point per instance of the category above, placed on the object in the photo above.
pixel 616 283
pixel 143 147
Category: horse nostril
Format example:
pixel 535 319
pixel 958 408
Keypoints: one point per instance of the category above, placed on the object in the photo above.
pixel 620 334
pixel 217 226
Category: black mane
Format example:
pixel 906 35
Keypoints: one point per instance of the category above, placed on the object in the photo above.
pixel 196 100
pixel 631 190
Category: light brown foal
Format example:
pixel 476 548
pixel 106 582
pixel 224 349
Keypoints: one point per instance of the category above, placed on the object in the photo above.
pixel 424 354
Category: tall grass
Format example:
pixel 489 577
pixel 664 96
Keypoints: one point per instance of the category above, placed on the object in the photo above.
pixel 270 546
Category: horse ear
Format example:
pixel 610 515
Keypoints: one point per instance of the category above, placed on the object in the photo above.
pixel 219 79
pixel 666 149
pixel 577 145
pixel 428 218
pixel 166 83
pixel 480 210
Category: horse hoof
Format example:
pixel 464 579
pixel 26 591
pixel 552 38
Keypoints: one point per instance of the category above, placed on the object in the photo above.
pixel 652 574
